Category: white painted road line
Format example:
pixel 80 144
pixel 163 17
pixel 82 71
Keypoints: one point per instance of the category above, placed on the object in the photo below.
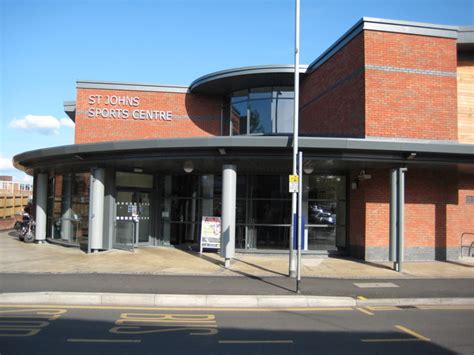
pixel 375 284
pixel 255 341
pixel 104 340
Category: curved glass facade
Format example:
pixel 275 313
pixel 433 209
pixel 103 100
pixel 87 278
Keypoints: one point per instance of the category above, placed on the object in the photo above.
pixel 261 111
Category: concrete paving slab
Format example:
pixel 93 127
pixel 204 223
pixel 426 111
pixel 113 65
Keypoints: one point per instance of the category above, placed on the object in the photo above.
pixel 85 299
pixel 129 299
pixel 240 301
pixel 19 257
pixel 181 300
pixel 218 301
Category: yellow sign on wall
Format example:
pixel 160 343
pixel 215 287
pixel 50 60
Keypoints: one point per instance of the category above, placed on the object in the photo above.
pixel 294 183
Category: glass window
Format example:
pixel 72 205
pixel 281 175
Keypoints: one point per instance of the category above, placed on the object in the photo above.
pixel 238 117
pixel 283 92
pixel 241 95
pixel 185 185
pixel 260 93
pixel 326 212
pixel 124 179
pixel 269 186
pixel 260 110
pixel 68 211
pixel 260 116
pixel 284 116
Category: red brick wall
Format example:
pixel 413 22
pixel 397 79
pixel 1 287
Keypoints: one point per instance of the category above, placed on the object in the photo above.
pixel 460 218
pixel 192 116
pixel 436 212
pixel 410 105
pixel 428 200
pixel 332 97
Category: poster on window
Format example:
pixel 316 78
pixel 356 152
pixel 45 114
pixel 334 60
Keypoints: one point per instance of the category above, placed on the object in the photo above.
pixel 210 233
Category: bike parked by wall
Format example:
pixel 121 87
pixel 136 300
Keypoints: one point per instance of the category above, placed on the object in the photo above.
pixel 26 228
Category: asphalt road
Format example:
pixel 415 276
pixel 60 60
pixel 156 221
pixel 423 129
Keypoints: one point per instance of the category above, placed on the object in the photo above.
pixel 225 285
pixel 99 330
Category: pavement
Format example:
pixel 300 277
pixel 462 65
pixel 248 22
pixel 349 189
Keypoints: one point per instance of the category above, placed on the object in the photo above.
pixel 48 274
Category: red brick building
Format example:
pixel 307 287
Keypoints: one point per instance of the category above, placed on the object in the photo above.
pixel 386 130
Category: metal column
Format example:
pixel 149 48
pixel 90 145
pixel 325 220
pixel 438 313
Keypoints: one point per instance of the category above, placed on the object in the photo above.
pixel 67 227
pixel 397 217
pixel 41 206
pixel 229 192
pixel 96 209
pixel 300 224
pixel 294 202
pixel 401 216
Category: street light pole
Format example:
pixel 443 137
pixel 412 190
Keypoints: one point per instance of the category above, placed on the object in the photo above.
pixel 292 263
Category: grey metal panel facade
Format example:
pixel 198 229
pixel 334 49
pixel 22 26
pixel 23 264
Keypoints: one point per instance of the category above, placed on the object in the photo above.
pixel 70 109
pixel 115 85
pixel 225 81
pixel 466 34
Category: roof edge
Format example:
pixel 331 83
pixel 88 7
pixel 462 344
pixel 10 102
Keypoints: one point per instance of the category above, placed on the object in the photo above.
pixel 258 69
pixel 116 85
pixel 70 109
pixel 343 144
pixel 384 25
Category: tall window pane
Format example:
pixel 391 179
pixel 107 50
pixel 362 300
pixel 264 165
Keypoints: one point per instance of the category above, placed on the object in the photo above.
pixel 260 116
pixel 238 117
pixel 284 116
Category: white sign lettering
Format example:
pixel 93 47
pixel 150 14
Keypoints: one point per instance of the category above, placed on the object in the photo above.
pixel 122 107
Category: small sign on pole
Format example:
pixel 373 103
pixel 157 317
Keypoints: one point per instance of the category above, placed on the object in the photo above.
pixel 294 183
pixel 210 233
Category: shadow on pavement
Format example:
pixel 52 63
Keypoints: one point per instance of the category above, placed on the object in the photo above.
pixel 151 332
pixel 260 267
pixel 458 263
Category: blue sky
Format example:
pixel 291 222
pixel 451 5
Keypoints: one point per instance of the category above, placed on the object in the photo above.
pixel 46 45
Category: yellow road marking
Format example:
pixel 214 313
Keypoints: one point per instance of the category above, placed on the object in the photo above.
pixel 255 341
pixel 206 330
pixel 360 309
pixel 417 337
pixel 383 308
pixel 395 340
pixel 18 331
pixel 168 318
pixel 362 298
pixel 213 309
pixel 104 340
pixel 446 307
pixel 412 333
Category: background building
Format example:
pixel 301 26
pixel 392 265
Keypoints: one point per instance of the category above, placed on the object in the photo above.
pixel 14 196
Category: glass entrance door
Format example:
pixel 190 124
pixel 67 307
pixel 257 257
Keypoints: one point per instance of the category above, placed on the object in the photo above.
pixel 132 219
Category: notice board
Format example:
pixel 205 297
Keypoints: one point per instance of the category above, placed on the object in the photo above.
pixel 210 233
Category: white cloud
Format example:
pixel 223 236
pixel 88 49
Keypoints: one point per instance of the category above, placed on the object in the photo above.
pixel 46 125
pixel 6 164
pixel 27 179
pixel 67 122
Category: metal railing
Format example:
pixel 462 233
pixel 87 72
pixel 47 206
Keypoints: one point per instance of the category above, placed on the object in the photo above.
pixel 470 246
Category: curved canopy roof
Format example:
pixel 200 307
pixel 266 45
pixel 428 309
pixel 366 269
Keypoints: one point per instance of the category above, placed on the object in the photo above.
pixel 250 153
pixel 226 81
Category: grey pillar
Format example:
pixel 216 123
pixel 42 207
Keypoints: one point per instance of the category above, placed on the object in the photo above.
pixel 393 216
pixel 66 209
pixel 96 208
pixel 166 213
pixel 229 192
pixel 41 206
pixel 401 216
pixel 109 209
pixel 397 217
